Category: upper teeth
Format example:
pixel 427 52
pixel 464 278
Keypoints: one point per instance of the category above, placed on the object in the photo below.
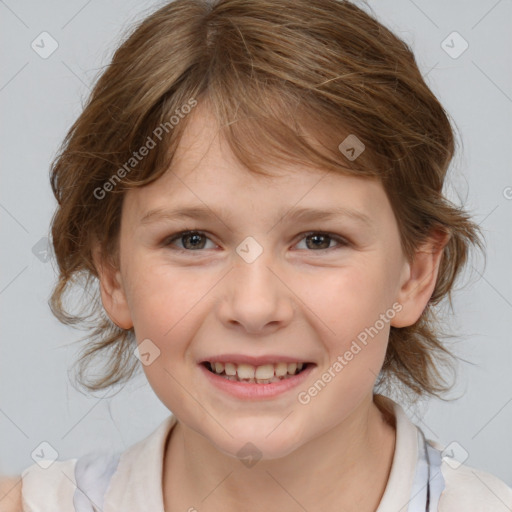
pixel 248 371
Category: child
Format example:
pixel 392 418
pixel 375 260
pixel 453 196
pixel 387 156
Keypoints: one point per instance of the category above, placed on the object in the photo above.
pixel 257 187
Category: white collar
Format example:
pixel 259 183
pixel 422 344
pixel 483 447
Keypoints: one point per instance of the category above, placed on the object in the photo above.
pixel 398 489
pixel 137 482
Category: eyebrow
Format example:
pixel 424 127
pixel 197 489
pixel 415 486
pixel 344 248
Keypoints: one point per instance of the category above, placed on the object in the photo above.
pixel 296 214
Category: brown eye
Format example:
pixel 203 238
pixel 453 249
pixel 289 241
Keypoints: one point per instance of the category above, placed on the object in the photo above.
pixel 191 240
pixel 318 241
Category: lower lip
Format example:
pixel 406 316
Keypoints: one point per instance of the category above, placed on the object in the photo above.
pixel 249 390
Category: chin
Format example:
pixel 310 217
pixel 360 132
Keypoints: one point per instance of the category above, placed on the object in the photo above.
pixel 252 452
pixel 257 444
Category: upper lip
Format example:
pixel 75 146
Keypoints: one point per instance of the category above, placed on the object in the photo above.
pixel 253 360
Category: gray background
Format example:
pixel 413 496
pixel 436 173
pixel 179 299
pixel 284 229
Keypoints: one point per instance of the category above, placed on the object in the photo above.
pixel 40 98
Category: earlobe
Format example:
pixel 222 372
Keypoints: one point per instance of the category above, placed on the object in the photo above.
pixel 112 291
pixel 419 281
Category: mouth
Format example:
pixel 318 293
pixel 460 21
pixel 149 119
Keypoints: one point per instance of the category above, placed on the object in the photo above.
pixel 264 374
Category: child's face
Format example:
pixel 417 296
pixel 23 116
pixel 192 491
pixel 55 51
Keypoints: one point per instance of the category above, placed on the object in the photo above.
pixel 294 299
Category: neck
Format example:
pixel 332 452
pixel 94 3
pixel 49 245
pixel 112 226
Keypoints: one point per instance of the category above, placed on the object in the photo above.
pixel 342 461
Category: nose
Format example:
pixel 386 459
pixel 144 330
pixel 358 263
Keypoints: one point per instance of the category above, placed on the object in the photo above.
pixel 255 298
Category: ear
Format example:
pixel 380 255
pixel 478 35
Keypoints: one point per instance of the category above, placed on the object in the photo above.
pixel 419 279
pixel 113 295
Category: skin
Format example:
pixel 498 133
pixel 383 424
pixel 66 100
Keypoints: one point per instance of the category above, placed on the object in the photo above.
pixel 294 299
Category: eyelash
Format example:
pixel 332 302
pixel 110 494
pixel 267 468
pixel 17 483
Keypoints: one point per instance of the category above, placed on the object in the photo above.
pixel 342 242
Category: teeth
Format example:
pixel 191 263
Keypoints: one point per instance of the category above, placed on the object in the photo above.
pixel 244 371
pixel 281 369
pixel 264 372
pixel 261 374
pixel 229 368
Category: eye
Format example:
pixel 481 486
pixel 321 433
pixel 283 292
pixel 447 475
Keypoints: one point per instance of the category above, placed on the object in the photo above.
pixel 196 240
pixel 320 241
pixel 192 240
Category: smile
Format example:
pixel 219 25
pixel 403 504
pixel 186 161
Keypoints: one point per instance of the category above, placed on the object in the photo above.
pixel 264 374
pixel 244 382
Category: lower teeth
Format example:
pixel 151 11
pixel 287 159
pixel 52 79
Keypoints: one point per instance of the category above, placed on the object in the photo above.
pixel 254 381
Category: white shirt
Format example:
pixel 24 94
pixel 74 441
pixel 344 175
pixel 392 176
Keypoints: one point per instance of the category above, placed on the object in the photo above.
pixel 132 481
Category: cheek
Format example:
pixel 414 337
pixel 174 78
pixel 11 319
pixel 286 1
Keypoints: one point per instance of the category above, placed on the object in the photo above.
pixel 162 299
pixel 352 309
pixel 166 304
pixel 346 299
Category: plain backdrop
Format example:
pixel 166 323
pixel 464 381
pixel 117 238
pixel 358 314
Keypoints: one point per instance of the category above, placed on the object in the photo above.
pixel 41 97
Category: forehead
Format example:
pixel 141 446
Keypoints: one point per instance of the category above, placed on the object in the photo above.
pixel 205 173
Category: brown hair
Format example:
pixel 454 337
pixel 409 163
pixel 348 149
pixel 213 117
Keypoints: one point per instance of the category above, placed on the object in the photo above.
pixel 272 71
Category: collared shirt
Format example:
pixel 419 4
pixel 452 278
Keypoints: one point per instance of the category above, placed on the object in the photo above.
pixel 421 479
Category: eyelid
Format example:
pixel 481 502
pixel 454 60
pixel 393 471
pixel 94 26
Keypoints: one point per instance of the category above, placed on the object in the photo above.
pixel 342 241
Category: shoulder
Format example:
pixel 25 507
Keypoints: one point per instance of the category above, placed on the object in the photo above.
pixel 45 487
pixel 468 488
pixel 471 489
pixel 69 485
pixel 10 494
